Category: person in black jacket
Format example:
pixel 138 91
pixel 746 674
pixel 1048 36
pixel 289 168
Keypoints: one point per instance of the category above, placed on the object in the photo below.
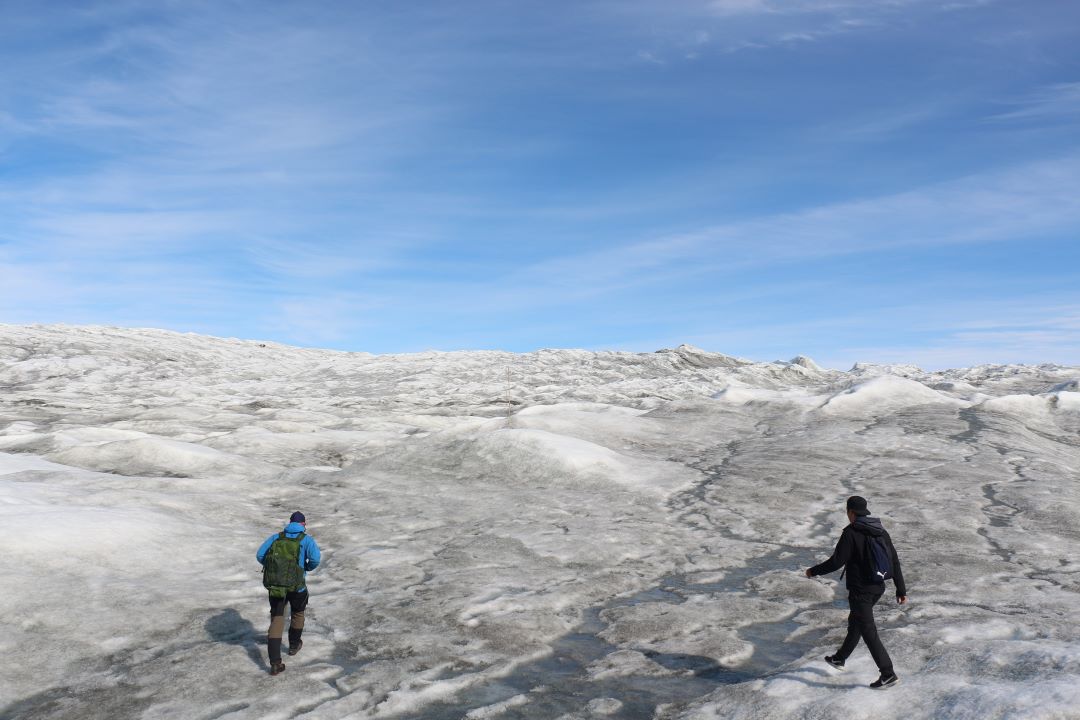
pixel 864 589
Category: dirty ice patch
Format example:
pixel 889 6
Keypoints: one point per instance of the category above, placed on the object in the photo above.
pixel 47 368
pixel 626 663
pixel 303 448
pixel 705 626
pixel 157 457
pixel 674 630
pixel 883 395
pixel 571 461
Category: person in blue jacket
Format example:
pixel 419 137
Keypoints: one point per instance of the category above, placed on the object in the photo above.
pixel 297 600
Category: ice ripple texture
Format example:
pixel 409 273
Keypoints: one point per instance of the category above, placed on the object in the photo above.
pixel 557 534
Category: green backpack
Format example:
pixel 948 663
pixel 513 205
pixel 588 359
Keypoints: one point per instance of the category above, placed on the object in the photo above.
pixel 282 573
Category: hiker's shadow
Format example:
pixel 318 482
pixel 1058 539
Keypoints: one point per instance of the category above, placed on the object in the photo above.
pixel 797 677
pixel 232 628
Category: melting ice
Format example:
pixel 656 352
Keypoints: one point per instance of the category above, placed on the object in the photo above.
pixel 605 535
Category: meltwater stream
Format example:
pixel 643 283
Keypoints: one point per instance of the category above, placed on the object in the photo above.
pixel 560 683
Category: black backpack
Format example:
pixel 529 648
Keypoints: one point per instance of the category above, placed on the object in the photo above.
pixel 878 558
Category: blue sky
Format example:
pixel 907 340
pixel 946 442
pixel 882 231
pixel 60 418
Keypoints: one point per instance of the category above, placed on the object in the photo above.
pixel 852 180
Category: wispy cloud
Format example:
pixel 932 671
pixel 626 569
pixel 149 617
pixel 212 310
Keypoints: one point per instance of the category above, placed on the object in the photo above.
pixel 660 283
pixel 1032 333
pixel 1021 203
pixel 1060 101
pixel 318 261
pixel 683 30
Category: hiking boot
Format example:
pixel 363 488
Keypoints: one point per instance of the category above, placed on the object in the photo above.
pixel 276 668
pixel 293 650
pixel 835 662
pixel 885 681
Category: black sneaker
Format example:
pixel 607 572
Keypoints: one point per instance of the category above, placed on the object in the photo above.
pixel 885 681
pixel 294 650
pixel 276 668
pixel 835 662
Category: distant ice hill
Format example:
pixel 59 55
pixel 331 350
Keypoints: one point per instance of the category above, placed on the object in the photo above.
pixel 560 533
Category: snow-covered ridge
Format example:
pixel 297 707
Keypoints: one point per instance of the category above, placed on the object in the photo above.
pixel 471 524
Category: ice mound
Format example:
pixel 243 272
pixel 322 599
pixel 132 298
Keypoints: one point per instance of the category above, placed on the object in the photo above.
pixel 698 358
pixel 805 362
pixel 569 452
pixel 1033 406
pixel 882 395
pixel 562 455
pixel 590 408
pixel 959 390
pixel 100 534
pixel 1068 402
pixel 875 369
pixel 158 457
pixel 737 395
pixel 590 420
pixel 23 437
pixel 609 426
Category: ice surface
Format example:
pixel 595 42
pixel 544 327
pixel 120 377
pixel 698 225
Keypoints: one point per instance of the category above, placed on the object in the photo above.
pixel 628 543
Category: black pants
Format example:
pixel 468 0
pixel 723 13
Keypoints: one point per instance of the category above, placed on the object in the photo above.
pixel 860 624
pixel 297 602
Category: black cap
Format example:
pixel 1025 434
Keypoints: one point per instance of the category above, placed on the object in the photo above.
pixel 299 516
pixel 857 505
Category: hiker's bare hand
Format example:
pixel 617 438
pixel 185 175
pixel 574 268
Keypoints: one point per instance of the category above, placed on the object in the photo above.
pixel 901 599
pixel 808 573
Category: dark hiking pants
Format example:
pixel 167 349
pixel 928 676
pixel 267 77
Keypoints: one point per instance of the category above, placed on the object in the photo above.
pixel 297 602
pixel 860 624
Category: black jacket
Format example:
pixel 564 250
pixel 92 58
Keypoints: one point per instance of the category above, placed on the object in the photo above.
pixel 850 553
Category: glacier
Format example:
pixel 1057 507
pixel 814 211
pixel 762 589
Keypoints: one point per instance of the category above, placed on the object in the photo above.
pixel 554 534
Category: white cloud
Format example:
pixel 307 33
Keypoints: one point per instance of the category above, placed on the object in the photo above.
pixel 739 7
pixel 959 334
pixel 134 231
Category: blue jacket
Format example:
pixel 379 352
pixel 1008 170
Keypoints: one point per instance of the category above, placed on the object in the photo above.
pixel 309 551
